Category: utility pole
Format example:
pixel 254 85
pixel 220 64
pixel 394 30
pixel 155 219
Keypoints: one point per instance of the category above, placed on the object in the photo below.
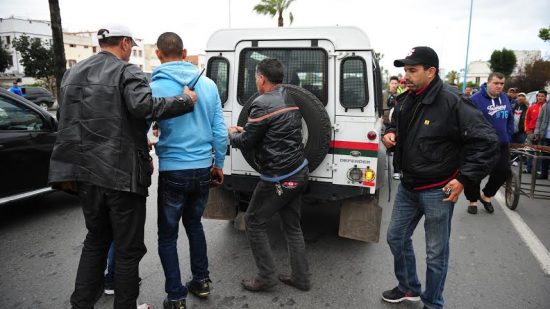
pixel 229 13
pixel 468 46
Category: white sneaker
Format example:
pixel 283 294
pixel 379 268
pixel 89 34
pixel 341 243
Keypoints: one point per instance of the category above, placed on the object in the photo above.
pixel 144 306
pixel 396 176
pixel 515 163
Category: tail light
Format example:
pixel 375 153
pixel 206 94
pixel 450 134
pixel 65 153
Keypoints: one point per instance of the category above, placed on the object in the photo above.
pixel 369 174
pixel 371 135
pixel 356 174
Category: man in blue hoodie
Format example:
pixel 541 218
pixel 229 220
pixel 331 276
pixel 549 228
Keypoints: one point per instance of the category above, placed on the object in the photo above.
pixel 495 106
pixel 186 167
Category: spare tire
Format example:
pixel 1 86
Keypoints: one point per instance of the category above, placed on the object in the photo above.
pixel 316 134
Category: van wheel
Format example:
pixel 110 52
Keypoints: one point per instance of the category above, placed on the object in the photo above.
pixel 316 133
pixel 43 105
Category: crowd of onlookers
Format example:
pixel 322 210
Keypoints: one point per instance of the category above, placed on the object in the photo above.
pixel 530 125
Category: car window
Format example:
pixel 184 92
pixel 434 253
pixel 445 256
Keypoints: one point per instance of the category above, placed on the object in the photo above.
pixel 15 116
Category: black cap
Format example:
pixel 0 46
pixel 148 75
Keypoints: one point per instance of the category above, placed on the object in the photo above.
pixel 419 55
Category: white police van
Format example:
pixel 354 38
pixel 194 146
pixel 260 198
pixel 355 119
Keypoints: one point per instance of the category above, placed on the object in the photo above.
pixel 334 76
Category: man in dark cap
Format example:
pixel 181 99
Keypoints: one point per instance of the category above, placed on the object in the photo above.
pixel 512 96
pixel 441 142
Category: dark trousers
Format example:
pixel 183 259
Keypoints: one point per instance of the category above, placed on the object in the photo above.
pixel 518 138
pixel 265 203
pixel 110 215
pixel 497 177
pixel 545 162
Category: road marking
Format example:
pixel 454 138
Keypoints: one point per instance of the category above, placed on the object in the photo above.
pixel 534 244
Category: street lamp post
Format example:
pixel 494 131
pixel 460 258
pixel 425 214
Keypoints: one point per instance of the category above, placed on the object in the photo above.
pixel 468 46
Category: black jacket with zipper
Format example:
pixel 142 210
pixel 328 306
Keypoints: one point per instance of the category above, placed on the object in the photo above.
pixel 274 132
pixel 102 129
pixel 441 135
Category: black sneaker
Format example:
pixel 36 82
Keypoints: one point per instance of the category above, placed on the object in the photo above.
pixel 396 296
pixel 174 304
pixel 488 206
pixel 200 288
pixel 472 209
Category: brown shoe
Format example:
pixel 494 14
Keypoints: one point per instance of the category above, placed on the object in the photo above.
pixel 256 285
pixel 286 279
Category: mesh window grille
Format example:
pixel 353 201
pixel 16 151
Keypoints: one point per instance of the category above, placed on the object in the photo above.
pixel 353 83
pixel 304 67
pixel 217 70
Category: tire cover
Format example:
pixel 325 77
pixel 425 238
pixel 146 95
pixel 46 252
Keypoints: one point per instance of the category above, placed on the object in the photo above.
pixel 317 121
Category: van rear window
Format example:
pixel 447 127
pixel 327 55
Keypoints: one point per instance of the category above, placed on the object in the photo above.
pixel 304 67
pixel 218 71
pixel 353 83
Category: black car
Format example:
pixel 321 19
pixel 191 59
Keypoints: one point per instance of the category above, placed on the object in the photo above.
pixel 39 96
pixel 27 136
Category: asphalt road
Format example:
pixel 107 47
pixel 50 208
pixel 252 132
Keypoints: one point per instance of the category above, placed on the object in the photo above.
pixel 490 267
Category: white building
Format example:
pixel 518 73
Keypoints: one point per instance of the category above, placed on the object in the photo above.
pixel 13 28
pixel 479 70
pixel 78 46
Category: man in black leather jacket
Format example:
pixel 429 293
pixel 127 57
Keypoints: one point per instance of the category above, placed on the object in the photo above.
pixel 274 133
pixel 441 142
pixel 101 154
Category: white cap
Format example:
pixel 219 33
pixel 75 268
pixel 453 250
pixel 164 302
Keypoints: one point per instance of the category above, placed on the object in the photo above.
pixel 115 30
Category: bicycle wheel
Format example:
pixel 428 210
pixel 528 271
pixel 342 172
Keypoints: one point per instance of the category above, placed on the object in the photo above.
pixel 512 191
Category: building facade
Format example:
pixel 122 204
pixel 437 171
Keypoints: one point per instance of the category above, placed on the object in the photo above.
pixel 78 46
pixel 14 28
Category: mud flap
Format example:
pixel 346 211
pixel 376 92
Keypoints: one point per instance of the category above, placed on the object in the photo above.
pixel 221 205
pixel 360 219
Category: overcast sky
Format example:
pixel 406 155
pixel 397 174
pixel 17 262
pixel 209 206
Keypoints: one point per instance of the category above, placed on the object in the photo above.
pixel 393 26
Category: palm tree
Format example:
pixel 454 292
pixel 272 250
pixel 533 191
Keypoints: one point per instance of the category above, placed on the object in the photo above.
pixel 452 77
pixel 274 7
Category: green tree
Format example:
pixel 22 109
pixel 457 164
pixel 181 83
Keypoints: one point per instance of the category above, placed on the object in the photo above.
pixel 274 7
pixel 59 50
pixel 5 58
pixel 37 59
pixel 544 34
pixel 503 61
pixel 470 84
pixel 452 77
pixel 534 76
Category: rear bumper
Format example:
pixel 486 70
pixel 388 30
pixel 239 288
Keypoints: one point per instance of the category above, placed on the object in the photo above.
pixel 316 190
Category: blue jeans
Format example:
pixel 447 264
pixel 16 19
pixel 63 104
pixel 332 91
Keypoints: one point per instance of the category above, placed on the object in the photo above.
pixel 182 194
pixel 408 208
pixel 110 276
